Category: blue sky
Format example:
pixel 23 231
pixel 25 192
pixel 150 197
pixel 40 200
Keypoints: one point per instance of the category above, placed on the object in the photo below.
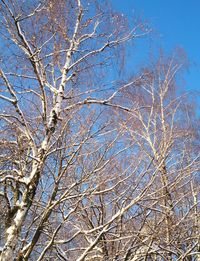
pixel 176 23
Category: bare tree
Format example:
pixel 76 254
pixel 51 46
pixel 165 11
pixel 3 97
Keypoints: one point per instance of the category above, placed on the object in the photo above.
pixel 165 133
pixel 50 137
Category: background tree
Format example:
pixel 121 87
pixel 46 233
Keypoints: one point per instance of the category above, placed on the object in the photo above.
pixel 162 135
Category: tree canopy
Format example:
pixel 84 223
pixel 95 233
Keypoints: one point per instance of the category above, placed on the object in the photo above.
pixel 93 166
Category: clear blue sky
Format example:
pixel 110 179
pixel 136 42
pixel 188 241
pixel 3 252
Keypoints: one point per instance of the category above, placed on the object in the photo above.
pixel 176 23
